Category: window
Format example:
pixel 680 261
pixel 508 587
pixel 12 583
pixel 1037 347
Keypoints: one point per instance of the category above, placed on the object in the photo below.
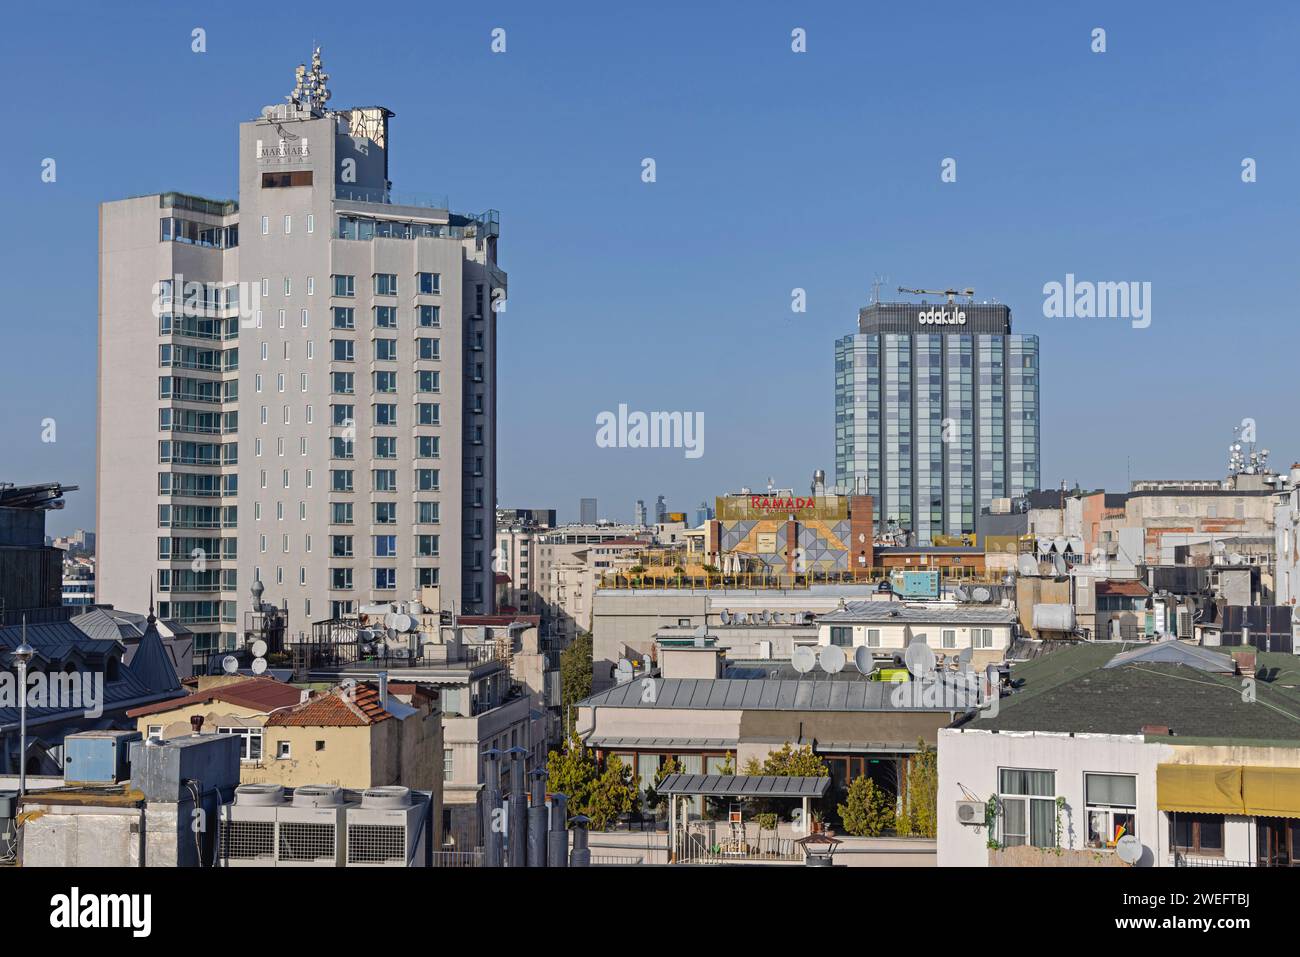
pixel 426 480
pixel 250 748
pixel 345 350
pixel 842 636
pixel 426 512
pixel 342 383
pixel 385 579
pixel 345 286
pixel 341 513
pixel 311 228
pixel 283 750
pixel 1112 807
pixel 344 317
pixel 341 578
pixel 426 447
pixel 386 382
pixel 430 283
pixel 386 350
pixel 426 546
pixel 428 348
pixel 949 638
pixel 981 638
pixel 447 764
pixel 429 317
pixel 266 225
pixel 385 284
pixel 385 447
pixel 1197 833
pixel 385 413
pixel 384 480
pixel 385 546
pixel 385 513
pixel 1027 807
pixel 294 178
pixel 385 317
pixel 873 637
pixel 340 480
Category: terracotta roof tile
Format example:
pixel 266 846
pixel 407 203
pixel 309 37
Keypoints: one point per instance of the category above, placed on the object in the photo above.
pixel 339 708
pixel 1126 589
pixel 262 694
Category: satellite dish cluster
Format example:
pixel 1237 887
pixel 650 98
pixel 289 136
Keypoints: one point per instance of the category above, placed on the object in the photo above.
pixel 831 659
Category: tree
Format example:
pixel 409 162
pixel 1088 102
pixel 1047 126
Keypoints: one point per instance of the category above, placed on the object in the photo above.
pixel 575 675
pixel 790 762
pixel 919 817
pixel 867 811
pixel 787 762
pixel 652 796
pixel 601 795
pixel 613 793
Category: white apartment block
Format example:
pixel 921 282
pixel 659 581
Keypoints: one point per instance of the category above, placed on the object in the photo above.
pixel 297 388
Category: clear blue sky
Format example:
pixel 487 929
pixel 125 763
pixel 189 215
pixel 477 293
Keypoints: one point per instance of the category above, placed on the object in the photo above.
pixel 775 171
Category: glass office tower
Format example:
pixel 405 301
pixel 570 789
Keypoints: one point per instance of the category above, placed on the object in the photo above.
pixel 936 414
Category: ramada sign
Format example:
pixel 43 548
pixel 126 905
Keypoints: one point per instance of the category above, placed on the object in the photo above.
pixel 760 503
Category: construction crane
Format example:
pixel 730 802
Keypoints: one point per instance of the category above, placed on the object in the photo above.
pixel 950 293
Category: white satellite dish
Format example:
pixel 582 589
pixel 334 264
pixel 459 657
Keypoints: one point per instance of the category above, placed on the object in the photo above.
pixel 981 593
pixel 1129 849
pixel 259 666
pixel 230 664
pixel 726 617
pixel 919 658
pixel 258 648
pixel 960 594
pixel 802 659
pixel 863 660
pixel 623 672
pixel 831 659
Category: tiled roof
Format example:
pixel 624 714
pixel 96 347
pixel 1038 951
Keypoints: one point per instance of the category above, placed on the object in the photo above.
pixel 262 694
pixel 1126 589
pixel 342 707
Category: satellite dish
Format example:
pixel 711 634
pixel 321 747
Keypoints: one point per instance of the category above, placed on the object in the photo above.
pixel 259 666
pixel 960 594
pixel 1129 849
pixel 258 648
pixel 981 593
pixel 230 664
pixel 919 658
pixel 1059 566
pixel 831 659
pixel 802 659
pixel 726 617
pixel 623 672
pixel 863 660
pixel 1026 565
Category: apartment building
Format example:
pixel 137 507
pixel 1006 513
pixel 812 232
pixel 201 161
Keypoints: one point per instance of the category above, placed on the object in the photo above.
pixel 298 387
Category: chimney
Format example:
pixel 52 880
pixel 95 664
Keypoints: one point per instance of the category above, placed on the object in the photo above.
pixel 382 681
pixel 196 724
pixel 1156 730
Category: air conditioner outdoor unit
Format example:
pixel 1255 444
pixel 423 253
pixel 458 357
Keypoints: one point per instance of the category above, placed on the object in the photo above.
pixel 970 812
pixel 310 831
pixel 387 829
pixel 247 832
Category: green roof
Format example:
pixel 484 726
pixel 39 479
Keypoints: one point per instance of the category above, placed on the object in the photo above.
pixel 1070 691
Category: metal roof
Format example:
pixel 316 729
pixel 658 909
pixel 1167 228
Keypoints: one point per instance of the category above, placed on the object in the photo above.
pixel 614 744
pixel 744 785
pixel 752 694
pixel 884 612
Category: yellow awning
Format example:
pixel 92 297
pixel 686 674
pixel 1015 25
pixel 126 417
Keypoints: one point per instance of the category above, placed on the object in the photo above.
pixel 1194 789
pixel 1271 792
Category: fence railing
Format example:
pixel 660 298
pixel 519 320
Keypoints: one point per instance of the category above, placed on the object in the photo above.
pixel 458 858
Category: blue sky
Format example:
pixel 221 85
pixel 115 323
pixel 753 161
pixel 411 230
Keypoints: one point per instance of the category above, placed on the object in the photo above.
pixel 775 170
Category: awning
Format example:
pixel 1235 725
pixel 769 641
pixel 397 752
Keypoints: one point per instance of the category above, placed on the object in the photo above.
pixel 744 786
pixel 658 744
pixel 1271 792
pixel 1249 790
pixel 1194 789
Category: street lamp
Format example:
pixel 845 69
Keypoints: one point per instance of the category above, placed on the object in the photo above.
pixel 22 655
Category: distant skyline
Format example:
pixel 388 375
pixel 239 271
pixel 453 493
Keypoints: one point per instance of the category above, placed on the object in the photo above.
pixel 775 171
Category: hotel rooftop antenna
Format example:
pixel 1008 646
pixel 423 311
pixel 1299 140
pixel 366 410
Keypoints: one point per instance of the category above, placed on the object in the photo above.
pixel 950 293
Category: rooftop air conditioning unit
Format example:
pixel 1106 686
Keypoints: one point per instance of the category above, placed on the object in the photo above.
pixel 388 828
pixel 247 832
pixel 310 831
pixel 970 812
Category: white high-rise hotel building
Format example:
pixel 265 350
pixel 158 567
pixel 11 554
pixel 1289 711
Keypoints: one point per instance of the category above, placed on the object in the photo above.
pixel 297 388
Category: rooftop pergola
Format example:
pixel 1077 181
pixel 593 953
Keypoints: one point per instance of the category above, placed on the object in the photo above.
pixel 762 786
